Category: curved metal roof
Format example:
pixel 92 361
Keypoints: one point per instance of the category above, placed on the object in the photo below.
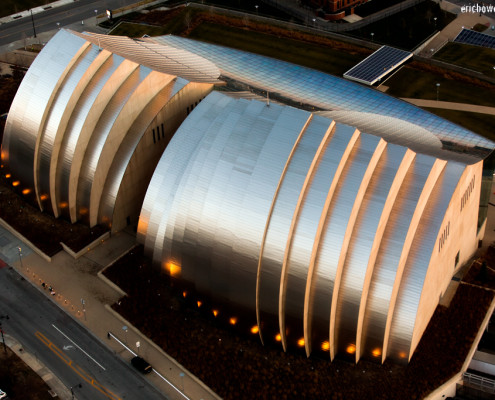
pixel 327 92
pixel 278 210
pixel 160 57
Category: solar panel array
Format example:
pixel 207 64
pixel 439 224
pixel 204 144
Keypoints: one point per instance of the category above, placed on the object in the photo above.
pixel 468 36
pixel 377 65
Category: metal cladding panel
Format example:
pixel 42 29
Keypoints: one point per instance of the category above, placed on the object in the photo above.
pixel 76 123
pixel 160 58
pixel 325 174
pixel 128 146
pixel 246 153
pixel 332 238
pixel 168 174
pixel 389 253
pixel 30 104
pixel 361 243
pixel 55 115
pixel 101 132
pixel 192 227
pixel 417 264
pixel 327 92
pixel 306 222
pixel 284 205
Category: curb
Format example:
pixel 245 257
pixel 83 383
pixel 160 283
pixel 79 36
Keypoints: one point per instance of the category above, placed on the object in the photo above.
pixel 55 384
pixel 162 353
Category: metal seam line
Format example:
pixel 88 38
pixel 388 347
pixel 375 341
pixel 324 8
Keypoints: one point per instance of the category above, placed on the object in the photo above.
pixel 94 67
pixel 307 339
pixel 382 144
pixel 41 128
pixel 140 98
pixel 267 224
pixel 433 176
pixel 111 86
pixel 382 224
pixel 283 275
pixel 321 224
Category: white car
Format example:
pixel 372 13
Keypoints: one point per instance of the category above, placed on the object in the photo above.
pixel 2 394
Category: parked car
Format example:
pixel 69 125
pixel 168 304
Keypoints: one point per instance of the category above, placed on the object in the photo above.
pixel 141 365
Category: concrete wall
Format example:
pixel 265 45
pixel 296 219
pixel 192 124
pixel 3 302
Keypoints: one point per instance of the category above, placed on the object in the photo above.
pixel 462 238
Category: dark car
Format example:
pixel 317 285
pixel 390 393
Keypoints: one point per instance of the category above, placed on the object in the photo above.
pixel 141 365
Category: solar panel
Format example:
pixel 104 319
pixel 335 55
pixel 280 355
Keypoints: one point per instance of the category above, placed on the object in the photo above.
pixel 377 65
pixel 468 36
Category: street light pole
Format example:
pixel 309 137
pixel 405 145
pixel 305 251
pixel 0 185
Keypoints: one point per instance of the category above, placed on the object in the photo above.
pixel 20 255
pixel 72 389
pixel 32 20
pixel 3 340
pixel 125 329
pixel 182 380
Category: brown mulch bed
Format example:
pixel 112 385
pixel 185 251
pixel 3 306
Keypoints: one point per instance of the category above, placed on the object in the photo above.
pixel 18 380
pixel 42 229
pixel 239 367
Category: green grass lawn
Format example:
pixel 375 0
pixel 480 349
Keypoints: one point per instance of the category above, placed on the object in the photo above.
pixel 418 84
pixel 477 58
pixel 315 56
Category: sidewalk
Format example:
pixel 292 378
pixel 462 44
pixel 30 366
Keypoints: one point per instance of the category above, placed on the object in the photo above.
pixel 56 386
pixel 79 281
pixel 448 105
pixel 449 33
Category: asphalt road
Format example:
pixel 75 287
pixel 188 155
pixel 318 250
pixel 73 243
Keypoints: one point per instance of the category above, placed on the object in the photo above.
pixel 65 347
pixel 55 18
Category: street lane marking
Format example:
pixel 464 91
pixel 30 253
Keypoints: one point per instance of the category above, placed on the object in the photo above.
pixel 76 368
pixel 75 344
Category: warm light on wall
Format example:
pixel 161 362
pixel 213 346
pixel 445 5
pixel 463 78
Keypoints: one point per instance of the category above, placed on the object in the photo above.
pixel 64 204
pixel 278 338
pixel 8 175
pixel 184 294
pixel 402 354
pixel 172 268
pixel 26 191
pixel 351 349
pixel 300 342
pixel 43 197
pixel 233 321
pixel 83 211
pixel 255 329
pixel 325 346
pixel 377 352
pixel 215 312
pixel 16 183
pixel 199 303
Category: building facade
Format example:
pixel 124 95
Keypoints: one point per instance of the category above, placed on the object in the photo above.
pixel 334 216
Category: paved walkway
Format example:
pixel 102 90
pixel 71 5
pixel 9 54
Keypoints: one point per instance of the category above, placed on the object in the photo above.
pixel 81 279
pixel 466 20
pixel 451 106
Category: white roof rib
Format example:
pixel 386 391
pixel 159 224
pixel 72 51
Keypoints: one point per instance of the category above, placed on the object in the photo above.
pixel 158 57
